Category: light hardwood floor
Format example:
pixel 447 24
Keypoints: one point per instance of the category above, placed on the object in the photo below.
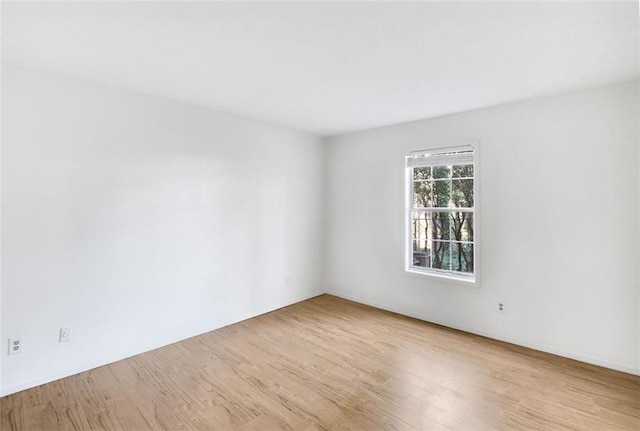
pixel 331 364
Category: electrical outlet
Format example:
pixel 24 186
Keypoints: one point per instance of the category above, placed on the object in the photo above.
pixel 65 335
pixel 15 345
pixel 501 307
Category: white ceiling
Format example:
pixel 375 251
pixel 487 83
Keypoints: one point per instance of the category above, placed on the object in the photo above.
pixel 330 68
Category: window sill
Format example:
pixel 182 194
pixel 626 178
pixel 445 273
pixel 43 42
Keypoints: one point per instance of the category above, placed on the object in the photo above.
pixel 469 281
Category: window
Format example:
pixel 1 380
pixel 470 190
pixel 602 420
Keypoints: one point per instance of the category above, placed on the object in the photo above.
pixel 441 228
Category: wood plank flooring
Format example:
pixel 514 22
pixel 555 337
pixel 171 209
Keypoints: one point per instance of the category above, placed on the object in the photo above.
pixel 331 364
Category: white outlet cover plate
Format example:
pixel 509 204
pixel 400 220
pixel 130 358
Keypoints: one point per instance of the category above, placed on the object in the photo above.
pixel 16 345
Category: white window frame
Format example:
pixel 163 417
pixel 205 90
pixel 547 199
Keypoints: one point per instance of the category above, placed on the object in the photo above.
pixel 445 155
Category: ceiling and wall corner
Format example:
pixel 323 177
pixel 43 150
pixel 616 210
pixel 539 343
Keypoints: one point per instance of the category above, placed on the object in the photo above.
pixel 330 67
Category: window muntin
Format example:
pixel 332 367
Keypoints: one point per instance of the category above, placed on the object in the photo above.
pixel 440 212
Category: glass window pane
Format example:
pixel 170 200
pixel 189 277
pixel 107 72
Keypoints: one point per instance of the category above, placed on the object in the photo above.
pixel 462 226
pixel 421 246
pixel 441 226
pixel 420 225
pixel 442 172
pixel 421 254
pixel 441 194
pixel 467 228
pixel 462 257
pixel 446 261
pixel 421 194
pixel 440 255
pixel 421 173
pixel 462 193
pixel 462 171
pixel 455 257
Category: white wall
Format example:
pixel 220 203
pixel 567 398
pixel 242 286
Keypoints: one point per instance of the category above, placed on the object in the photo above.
pixel 139 222
pixel 638 244
pixel 559 224
pixel 3 346
pixel 130 219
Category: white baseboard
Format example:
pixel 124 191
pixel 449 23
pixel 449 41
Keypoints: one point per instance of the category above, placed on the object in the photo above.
pixel 95 364
pixel 499 337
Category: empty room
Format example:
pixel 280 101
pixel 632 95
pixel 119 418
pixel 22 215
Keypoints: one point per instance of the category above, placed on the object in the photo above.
pixel 320 215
